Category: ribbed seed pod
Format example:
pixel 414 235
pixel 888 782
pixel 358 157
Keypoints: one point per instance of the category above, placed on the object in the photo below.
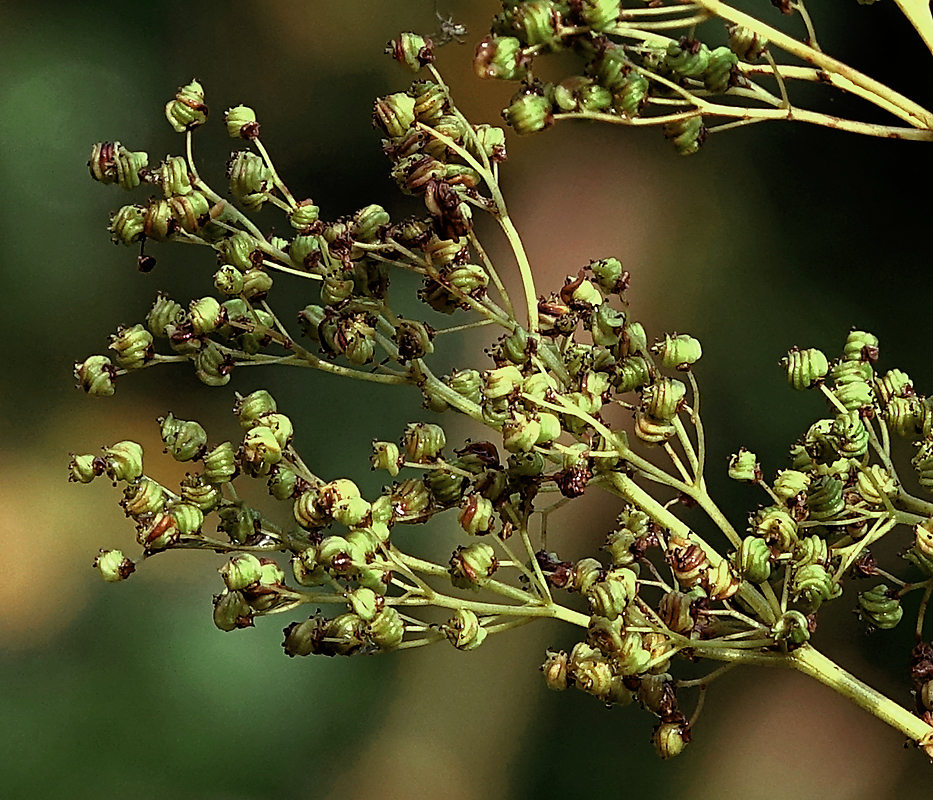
pixel 777 527
pixel 184 440
pixel 609 596
pixel 688 562
pixel 663 399
pixel 879 608
pixel 446 488
pixel 133 346
pixel 905 416
pixel 894 384
pixel 861 346
pixel 197 492
pixel 825 499
pixel 630 96
pixel 187 110
pixel 423 442
pixel 220 464
pixel 874 483
pixel 528 113
pixel 472 566
pixel 678 352
pixel 127 225
pixel 143 496
pixel 812 585
pixel 633 373
pixel 536 22
pixel 650 431
pixel 719 71
pixel 411 50
pixel 676 613
pixel 849 435
pixel 688 61
pixel 670 738
pixel 811 550
pixel 720 582
pixel 789 483
pixel 753 560
pixel 852 384
pixel 250 179
pixel 211 365
pixel 600 15
pixel 687 135
pixel 805 368
pixel 556 670
pixel 922 462
pixel 746 44
pixel 464 630
pixel 386 630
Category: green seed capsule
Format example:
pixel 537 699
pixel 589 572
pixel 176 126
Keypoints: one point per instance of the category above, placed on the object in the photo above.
pixel 241 571
pixel 472 566
pixel 241 123
pixel 386 455
pixel 825 499
pixel 394 113
pixel 386 630
pixel 124 461
pixel 776 527
pixel 670 739
pixel 259 451
pixel 610 596
pixel 205 315
pixel 114 566
pixel 805 368
pixel 720 70
pixel 411 50
pixel 164 312
pixel 600 15
pixel 687 135
pixel 476 515
pixel 423 442
pixel 789 483
pixel 679 351
pixel 879 608
pixel 127 225
pixel 861 346
pixel 812 585
pixel 529 113
pixel 663 399
pixel 220 464
pixel 464 630
pixel 744 466
pixel 753 559
pixel 133 346
pixel 212 365
pixel 84 468
pixel 187 110
pixel 184 440
pixel 196 491
pixel 746 44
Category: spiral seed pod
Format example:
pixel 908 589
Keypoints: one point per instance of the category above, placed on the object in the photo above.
pixel 164 312
pixel 663 399
pixel 894 384
pixel 423 442
pixel 259 451
pixel 633 373
pixel 789 483
pixel 606 325
pixel 127 225
pixel 187 110
pixel 96 375
pixel 241 571
pixel 905 416
pixel 464 630
pixel 812 585
pixel 610 596
pixel 343 635
pixel 720 70
pixel 159 224
pixel 805 368
pixel 777 527
pixel 431 101
pixel 851 384
pixel 174 177
pixel 184 440
pixel 600 15
pixel 687 135
pixel 114 566
pixel 825 499
pixel 394 113
pixel 584 574
pixel 619 545
pixel 410 499
pixel 874 483
pixel 720 582
pixel 472 566
pixel 651 432
pixel 678 352
pixel 111 162
pixel 84 468
pixel 688 562
pixel 241 123
pixel 676 613
pixel 753 559
pixel 745 43
pixel 476 515
pixel 211 365
pixel 879 608
pixel 445 487
pixel 124 461
pixel 670 738
pixel 411 50
pixel 861 346
pixel 849 435
pixel 251 408
pixel 250 179
pixel 811 550
pixel 220 464
pixel 133 346
pixel 687 60
pixel 143 497
pixel 528 113
pixel 593 676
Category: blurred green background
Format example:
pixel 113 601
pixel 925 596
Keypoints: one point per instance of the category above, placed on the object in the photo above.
pixel 772 236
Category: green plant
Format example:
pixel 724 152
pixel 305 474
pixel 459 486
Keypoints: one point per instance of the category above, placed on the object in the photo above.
pixel 561 363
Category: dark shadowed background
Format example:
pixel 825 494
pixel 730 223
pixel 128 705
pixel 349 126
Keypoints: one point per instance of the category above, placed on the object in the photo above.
pixel 774 235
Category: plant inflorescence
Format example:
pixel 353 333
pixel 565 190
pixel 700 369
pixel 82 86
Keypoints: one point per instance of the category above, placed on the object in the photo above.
pixel 569 362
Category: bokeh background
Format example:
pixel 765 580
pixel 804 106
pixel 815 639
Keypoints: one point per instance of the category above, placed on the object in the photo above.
pixel 774 235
